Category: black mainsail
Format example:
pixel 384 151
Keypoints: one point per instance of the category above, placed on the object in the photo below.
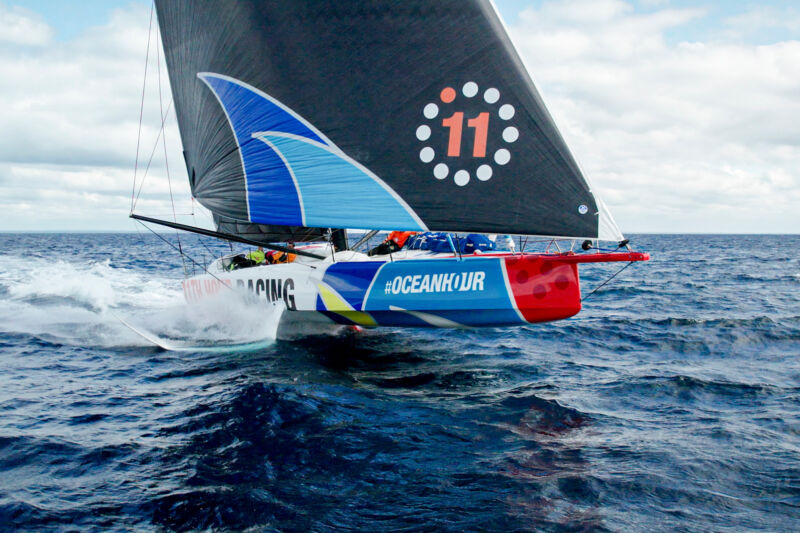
pixel 377 114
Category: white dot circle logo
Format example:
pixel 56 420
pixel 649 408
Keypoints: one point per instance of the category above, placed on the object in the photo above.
pixel 510 134
pixel 502 156
pixel 431 110
pixel 506 112
pixel 491 95
pixel 424 133
pixel 583 209
pixel 470 89
pixel 467 133
pixel 441 171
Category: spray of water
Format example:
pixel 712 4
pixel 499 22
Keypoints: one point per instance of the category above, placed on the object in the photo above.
pixel 79 304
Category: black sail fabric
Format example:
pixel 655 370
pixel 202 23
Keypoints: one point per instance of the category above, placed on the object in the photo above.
pixel 368 114
pixel 268 233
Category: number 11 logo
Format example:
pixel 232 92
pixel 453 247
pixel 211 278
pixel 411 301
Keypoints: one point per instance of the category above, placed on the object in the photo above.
pixel 475 128
pixel 455 125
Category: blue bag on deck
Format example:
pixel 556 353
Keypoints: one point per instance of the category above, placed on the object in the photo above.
pixel 476 241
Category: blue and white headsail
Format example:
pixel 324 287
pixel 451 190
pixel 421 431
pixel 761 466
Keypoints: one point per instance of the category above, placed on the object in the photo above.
pixel 295 175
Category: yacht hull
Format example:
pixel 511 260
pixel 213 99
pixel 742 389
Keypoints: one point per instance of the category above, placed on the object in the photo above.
pixel 468 291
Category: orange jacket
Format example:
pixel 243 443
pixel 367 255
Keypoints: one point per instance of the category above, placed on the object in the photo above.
pixel 400 237
pixel 280 257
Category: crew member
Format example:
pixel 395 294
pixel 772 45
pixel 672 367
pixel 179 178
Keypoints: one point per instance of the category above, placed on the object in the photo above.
pixel 395 241
pixel 283 257
pixel 256 256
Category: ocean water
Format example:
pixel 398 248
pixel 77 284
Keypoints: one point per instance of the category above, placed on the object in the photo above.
pixel 671 403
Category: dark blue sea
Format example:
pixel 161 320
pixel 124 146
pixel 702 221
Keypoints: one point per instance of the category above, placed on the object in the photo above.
pixel 670 403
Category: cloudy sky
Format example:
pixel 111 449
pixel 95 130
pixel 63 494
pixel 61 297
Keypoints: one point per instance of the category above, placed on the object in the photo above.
pixel 685 115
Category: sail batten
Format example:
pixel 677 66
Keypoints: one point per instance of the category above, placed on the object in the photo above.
pixel 383 115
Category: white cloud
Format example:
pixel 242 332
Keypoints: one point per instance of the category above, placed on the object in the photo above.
pixel 762 17
pixel 68 129
pixel 680 137
pixel 690 136
pixel 22 27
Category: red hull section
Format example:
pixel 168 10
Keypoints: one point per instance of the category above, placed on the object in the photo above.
pixel 543 290
pixel 547 287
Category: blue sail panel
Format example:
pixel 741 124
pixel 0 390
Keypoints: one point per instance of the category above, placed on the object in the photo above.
pixel 271 194
pixel 336 191
pixel 294 175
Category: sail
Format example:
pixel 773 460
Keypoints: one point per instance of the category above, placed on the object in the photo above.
pixel 410 115
pixel 268 233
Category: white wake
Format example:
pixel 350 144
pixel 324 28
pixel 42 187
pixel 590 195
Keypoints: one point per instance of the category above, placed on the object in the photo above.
pixel 78 304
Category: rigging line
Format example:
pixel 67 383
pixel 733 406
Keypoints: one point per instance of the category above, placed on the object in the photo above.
pixel 152 154
pixel 212 252
pixel 164 140
pixel 226 236
pixel 164 135
pixel 139 232
pixel 606 281
pixel 203 242
pixel 141 106
pixel 203 267
pixel 364 239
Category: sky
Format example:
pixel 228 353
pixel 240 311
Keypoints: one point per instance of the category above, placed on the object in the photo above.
pixel 684 115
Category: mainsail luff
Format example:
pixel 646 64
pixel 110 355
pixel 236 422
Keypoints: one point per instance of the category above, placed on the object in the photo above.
pixel 316 113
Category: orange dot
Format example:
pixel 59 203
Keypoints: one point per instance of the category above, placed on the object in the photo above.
pixel 448 95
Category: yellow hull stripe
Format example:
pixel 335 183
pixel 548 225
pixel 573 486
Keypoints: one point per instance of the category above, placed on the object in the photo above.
pixel 336 304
